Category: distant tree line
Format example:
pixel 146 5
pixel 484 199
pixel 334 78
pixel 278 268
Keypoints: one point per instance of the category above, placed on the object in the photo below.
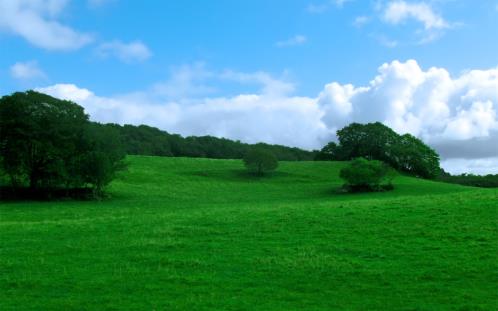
pixel 146 140
pixel 483 181
pixel 48 146
pixel 375 141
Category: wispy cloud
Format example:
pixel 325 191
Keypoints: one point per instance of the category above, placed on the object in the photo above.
pixel 360 21
pixel 434 24
pixel 398 12
pixel 27 71
pixel 134 51
pixel 36 21
pixel 385 40
pixel 296 40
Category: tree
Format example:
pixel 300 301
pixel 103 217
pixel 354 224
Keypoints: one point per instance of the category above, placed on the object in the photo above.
pixel 260 162
pixel 38 136
pixel 331 152
pixel 371 141
pixel 45 143
pixel 411 155
pixel 367 175
pixel 375 141
pixel 104 158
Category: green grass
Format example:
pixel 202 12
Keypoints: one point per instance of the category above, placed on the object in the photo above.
pixel 198 234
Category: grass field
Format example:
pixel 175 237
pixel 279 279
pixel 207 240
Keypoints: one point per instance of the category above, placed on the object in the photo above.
pixel 198 234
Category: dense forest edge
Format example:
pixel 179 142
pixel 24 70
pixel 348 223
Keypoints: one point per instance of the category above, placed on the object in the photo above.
pixel 49 148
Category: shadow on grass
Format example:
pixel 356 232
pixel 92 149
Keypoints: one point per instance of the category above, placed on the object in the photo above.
pixel 45 194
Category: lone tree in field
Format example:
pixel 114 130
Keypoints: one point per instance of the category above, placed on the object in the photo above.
pixel 48 143
pixel 364 175
pixel 260 161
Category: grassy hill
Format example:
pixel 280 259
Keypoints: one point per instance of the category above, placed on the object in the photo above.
pixel 197 234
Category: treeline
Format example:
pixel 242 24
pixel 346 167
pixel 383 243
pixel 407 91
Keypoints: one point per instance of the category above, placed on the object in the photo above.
pixel 49 148
pixel 146 140
pixel 483 181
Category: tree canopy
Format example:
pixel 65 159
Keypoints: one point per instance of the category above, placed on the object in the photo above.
pixel 260 161
pixel 375 141
pixel 50 143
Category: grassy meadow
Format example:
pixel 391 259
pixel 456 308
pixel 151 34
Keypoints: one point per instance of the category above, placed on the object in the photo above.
pixel 200 234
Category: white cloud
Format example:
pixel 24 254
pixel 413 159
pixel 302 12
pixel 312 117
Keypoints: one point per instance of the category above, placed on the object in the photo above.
pixel 397 12
pixel 134 51
pixel 456 115
pixel 251 118
pixel 481 166
pixel 360 21
pixel 429 104
pixel 35 21
pixel 385 41
pixel 26 71
pixel 296 40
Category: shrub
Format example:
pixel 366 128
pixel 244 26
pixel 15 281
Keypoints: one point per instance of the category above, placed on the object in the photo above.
pixel 260 161
pixel 364 175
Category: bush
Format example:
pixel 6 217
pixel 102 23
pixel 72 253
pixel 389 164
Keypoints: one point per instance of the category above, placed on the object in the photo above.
pixel 364 175
pixel 260 162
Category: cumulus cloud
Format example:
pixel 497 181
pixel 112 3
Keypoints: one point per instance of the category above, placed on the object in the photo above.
pixel 26 71
pixel 456 115
pixel 250 118
pixel 296 40
pixel 429 104
pixel 36 21
pixel 134 51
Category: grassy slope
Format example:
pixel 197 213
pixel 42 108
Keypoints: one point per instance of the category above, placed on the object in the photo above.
pixel 200 234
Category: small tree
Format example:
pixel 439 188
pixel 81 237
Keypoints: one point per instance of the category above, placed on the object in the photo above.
pixel 260 162
pixel 364 175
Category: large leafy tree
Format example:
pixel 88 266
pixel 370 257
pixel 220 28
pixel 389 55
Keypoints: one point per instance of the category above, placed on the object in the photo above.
pixel 38 137
pixel 375 141
pixel 44 141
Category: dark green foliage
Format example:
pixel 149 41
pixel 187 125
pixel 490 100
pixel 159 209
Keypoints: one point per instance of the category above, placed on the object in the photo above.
pixel 484 181
pixel 376 141
pixel 39 135
pixel 47 143
pixel 104 158
pixel 260 161
pixel 331 152
pixel 146 140
pixel 364 175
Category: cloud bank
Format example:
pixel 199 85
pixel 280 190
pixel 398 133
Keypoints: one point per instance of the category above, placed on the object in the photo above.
pixel 456 115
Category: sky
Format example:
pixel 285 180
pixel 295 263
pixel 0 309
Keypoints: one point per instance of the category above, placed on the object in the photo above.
pixel 288 72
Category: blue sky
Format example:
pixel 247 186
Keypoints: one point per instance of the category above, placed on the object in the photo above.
pixel 131 61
